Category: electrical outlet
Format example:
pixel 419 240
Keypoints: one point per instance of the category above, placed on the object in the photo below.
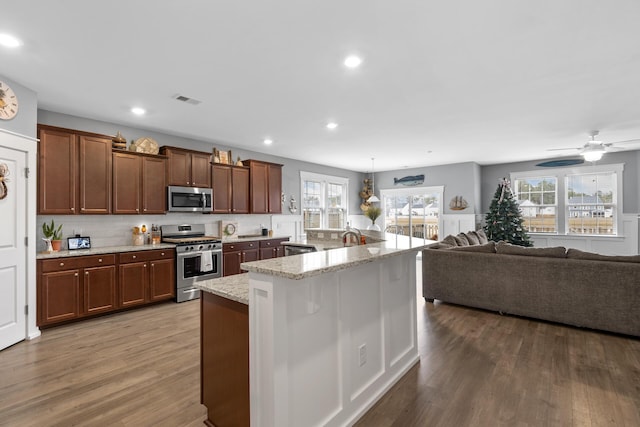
pixel 334 236
pixel 362 354
pixel 320 235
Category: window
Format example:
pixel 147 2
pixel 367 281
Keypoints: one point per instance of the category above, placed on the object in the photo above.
pixel 537 197
pixel 576 200
pixel 324 200
pixel 591 203
pixel 414 211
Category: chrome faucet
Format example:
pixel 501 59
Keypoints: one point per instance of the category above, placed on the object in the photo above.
pixel 349 236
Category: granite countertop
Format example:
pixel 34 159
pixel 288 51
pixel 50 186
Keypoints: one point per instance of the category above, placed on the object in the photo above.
pixel 235 287
pixel 104 250
pixel 311 264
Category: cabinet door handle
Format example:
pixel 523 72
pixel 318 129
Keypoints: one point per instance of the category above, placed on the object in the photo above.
pixel 62 264
pixel 134 257
pixel 99 259
pixel 152 264
pixel 162 253
pixel 137 210
pixel 73 209
pixel 86 273
pixel 145 209
pixel 187 182
pixel 145 266
pixel 75 274
pixel 81 209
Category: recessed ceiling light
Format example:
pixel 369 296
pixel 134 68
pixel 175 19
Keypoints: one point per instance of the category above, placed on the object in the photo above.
pixel 8 40
pixel 268 141
pixel 352 61
pixel 332 125
pixel 138 111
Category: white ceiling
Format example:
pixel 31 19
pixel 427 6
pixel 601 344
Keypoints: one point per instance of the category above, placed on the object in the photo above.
pixel 442 82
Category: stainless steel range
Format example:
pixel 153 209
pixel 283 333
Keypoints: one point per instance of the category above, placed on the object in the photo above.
pixel 198 257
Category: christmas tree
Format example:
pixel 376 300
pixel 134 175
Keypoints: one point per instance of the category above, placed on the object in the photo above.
pixel 504 220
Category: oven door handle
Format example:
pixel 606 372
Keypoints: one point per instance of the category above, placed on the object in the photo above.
pixel 189 290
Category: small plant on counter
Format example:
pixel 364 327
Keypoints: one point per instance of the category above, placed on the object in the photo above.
pixel 373 212
pixel 51 232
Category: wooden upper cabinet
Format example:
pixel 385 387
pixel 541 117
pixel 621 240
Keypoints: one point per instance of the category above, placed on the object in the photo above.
pixel 138 184
pixel 154 192
pixel 230 189
pixel 265 187
pixel 240 193
pixel 126 183
pixel 221 180
pixel 57 171
pixel 200 170
pixel 187 168
pixel 74 172
pixel 95 174
pixel 275 188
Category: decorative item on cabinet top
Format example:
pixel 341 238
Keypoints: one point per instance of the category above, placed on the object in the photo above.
pixel 223 157
pixel 145 145
pixel 119 142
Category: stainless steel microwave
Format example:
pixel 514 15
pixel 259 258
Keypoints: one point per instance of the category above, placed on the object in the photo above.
pixel 189 199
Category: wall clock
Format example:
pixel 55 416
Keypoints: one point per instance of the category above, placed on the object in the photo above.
pixel 8 102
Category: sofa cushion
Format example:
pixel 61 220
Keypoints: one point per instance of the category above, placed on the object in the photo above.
pixel 509 249
pixel 450 240
pixel 461 239
pixel 472 237
pixel 482 237
pixel 578 254
pixel 440 245
pixel 489 247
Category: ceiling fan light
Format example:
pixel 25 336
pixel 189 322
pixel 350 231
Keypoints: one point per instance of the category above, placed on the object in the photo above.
pixel 593 155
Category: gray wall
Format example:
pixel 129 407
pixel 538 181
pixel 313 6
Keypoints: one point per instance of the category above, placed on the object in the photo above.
pixel 460 179
pixel 491 175
pixel 290 171
pixel 24 123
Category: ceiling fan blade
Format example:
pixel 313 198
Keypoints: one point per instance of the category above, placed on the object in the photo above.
pixel 628 141
pixel 564 149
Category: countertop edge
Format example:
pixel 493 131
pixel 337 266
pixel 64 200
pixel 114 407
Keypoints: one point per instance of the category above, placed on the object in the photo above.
pixel 103 250
pixel 235 287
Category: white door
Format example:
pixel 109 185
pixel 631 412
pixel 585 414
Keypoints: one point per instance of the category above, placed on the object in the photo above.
pixel 13 252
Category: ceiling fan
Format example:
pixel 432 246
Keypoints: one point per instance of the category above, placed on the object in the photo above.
pixel 593 150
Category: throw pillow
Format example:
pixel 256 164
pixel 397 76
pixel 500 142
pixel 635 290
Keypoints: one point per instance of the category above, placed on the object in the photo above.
pixel 472 237
pixel 461 239
pixel 578 254
pixel 509 249
pixel 440 245
pixel 487 248
pixel 450 240
pixel 482 237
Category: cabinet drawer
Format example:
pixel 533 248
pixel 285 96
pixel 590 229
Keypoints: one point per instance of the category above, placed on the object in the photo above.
pixel 71 263
pixel 239 246
pixel 272 243
pixel 127 257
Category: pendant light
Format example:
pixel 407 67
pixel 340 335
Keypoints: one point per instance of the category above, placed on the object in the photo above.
pixel 373 198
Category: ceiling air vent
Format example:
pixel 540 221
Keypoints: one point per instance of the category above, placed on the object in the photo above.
pixel 186 99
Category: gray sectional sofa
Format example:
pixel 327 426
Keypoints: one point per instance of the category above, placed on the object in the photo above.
pixel 567 286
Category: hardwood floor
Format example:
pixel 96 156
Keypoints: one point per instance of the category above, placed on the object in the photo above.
pixel 141 368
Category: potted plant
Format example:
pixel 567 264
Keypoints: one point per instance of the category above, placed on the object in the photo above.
pixel 52 236
pixel 373 212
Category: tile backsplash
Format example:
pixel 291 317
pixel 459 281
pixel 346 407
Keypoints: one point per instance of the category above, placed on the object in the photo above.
pixel 115 230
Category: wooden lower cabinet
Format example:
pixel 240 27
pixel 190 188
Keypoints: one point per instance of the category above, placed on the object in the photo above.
pixel 99 289
pixel 272 248
pixel 224 367
pixel 72 288
pixel 234 254
pixel 59 296
pixel 146 276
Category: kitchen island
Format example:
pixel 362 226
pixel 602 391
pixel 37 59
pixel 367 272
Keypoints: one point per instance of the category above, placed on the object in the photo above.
pixel 329 333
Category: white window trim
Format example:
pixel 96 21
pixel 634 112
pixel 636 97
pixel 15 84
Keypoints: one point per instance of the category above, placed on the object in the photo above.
pixel 324 179
pixel 561 175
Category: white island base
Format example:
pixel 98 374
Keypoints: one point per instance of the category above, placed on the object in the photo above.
pixel 324 348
